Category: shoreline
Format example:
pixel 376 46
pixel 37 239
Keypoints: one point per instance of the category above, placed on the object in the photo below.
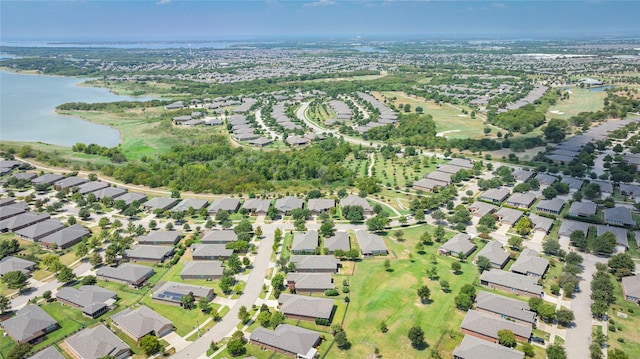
pixel 120 136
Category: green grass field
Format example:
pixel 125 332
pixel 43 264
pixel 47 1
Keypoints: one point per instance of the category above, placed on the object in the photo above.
pixel 629 333
pixel 580 100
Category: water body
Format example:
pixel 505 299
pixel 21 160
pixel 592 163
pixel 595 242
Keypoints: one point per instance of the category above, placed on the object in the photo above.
pixel 27 103
pixel 600 88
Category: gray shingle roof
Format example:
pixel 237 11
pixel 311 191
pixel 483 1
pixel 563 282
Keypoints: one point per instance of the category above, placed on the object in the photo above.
pixel 160 237
pixel 257 205
pixel 287 337
pixel 509 215
pixel 143 252
pixel 185 204
pixel 501 305
pixel 305 241
pixel 530 262
pixel 521 199
pixel 224 204
pixel 353 200
pixel 573 183
pixel 90 187
pixel 110 192
pixel 27 322
pixel 340 240
pixel 370 242
pixel 496 194
pixel 86 296
pixel 540 222
pixel 219 236
pixel 568 226
pixel 523 175
pixel 311 281
pixel 631 286
pixel 10 264
pixel 546 179
pixel 550 205
pixel 320 204
pixel 40 229
pixel 305 306
pixel 163 203
pixel 619 215
pixel 584 208
pixel 70 182
pixel 173 291
pixel 461 242
pixel 490 325
pixel 211 250
pixel 313 262
pixel 511 280
pixel 288 203
pixel 476 348
pixel 96 342
pixel 494 252
pixel 47 353
pixel 66 235
pixel 482 208
pixel 22 220
pixel 130 197
pixel 141 321
pixel 127 272
pixel 619 233
pixel 48 178
pixel 203 268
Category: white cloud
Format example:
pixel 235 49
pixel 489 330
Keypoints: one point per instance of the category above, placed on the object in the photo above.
pixel 163 2
pixel 499 5
pixel 320 3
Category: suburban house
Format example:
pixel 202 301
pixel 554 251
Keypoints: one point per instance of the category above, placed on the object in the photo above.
pixel 47 179
pixel 297 140
pixel 495 253
pixel 606 188
pixel 228 204
pixel 258 207
pixel 92 300
pixel 485 326
pixel 511 283
pixel 545 179
pixel 631 190
pixel 427 185
pixel 320 205
pixel 47 353
pixel 219 237
pixel 568 226
pixel 521 200
pixel 142 321
pixel 460 243
pixel 287 339
pixel 185 204
pixel 509 216
pixel 109 192
pixel 622 243
pixel 340 240
pixel 160 238
pixel 495 195
pixel 208 270
pixel 619 216
pixel 97 342
pixel 353 200
pixel 130 197
pixel 542 224
pixel 371 244
pixel 66 237
pixel 529 263
pixel 631 288
pixel 147 253
pixel 523 175
pixel 315 264
pixel 309 282
pixel 69 183
pixel 91 187
pixel 11 264
pixel 304 307
pixel 208 252
pixel 172 292
pixel 574 183
pixel 582 209
pixel 12 210
pixel 40 229
pixel 479 209
pixel 442 177
pixel 304 242
pixel 507 308
pixel 160 203
pixel 550 206
pixel 474 348
pixel 287 204
pixel 133 274
pixel 30 325
pixel 23 220
pixel 463 163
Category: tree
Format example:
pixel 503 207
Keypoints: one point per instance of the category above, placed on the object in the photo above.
pixel 556 351
pixel 5 304
pixel 204 305
pixel 150 344
pixel 387 265
pixel 604 244
pixel 424 293
pixel 523 226
pixel 46 295
pixel 507 338
pixel 621 265
pixel 81 250
pixel 527 349
pixel 187 301
pixel 547 312
pixel 264 318
pixel 432 272
pixel 95 260
pixel 244 315
pixel 534 303
pixel 551 246
pixel 341 340
pixel 84 213
pixel 19 351
pixel 483 264
pixel 236 345
pixel 438 215
pixel 66 275
pixel 89 280
pixel 15 280
pixel 617 354
pixel 578 239
pixel 456 266
pixel 515 242
pixel 327 228
pixel 419 216
pixel 573 258
pixel 276 319
pixel 377 223
pixel 439 233
pixel 549 193
pixel 565 316
pixel 353 213
pixel 416 336
pixel 444 284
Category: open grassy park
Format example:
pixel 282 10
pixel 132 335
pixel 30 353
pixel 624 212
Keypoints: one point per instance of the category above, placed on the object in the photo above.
pixel 580 100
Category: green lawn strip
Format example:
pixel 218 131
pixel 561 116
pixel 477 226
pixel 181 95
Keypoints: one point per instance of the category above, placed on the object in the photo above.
pixel 256 351
pixel 554 271
pixel 70 319
pixel 173 275
pixel 183 320
pixel 6 344
pixel 238 288
pixel 127 296
pixel 629 326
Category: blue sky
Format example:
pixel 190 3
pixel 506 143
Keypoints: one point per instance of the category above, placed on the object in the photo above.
pixel 216 20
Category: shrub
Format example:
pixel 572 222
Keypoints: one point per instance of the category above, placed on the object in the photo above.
pixel 322 321
pixel 331 292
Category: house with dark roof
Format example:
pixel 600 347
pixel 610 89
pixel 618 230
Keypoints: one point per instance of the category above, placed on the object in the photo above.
pixel 353 200
pixel 23 220
pixel 550 206
pixel 542 224
pixel 584 209
pixel 65 237
pixel 69 183
pixel 30 325
pixel 131 197
pixel 606 188
pixel 228 204
pixel 7 201
pixel 208 270
pixel 219 237
pixel 160 203
pixel 91 187
pixel 486 327
pixel 427 185
pixel 142 321
pixel 511 283
pixel 475 348
pixel 315 264
pixel 147 253
pixel 523 175
pixel 12 210
pixel 160 238
pixel 109 192
pixel 187 203
pixel 97 342
pixel 442 177
pixel 309 282
pixel 47 353
pixel 12 264
pixel 545 179
pixel 128 273
pixel 501 306
pixel 287 204
pixel 574 183
pixel 371 244
pixel 172 292
pixel 568 226
pixel 509 216
pixel 258 207
pixel 631 288
pixel 619 216
pixel 461 162
pixel 529 263
pixel 92 300
pixel 495 195
pixel 495 253
pixel 40 230
pixel 631 190
pixel 521 200
pixel 479 209
pixel 622 243
pixel 304 242
pixel 320 205
pixel 208 252
pixel 460 243
pixel 340 240
pixel 306 308
pixel 47 179
pixel 289 340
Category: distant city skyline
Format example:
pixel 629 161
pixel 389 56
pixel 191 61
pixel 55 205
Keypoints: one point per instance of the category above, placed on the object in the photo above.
pixel 224 20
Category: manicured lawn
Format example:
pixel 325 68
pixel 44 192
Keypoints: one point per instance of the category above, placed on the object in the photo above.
pixel 377 295
pixel 183 320
pixel 127 295
pixel 70 320
pixel 580 100
pixel 629 325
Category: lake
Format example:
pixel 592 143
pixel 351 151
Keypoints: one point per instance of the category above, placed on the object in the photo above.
pixel 27 103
